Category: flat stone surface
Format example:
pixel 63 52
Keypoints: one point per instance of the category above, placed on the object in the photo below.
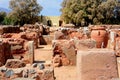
pixel 96 64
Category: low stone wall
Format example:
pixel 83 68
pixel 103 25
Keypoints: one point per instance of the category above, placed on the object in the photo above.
pixel 23 36
pixel 20 71
pixel 9 29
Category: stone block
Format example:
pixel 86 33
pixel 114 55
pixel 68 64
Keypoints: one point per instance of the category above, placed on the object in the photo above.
pixel 85 44
pixel 111 41
pixel 14 63
pixel 58 35
pixel 48 74
pixel 96 64
pixel 118 64
pixel 31 51
pixel 117 46
pixel 66 50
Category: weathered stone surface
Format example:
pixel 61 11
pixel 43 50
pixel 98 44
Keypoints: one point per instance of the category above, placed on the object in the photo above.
pixel 34 65
pixel 57 61
pixel 46 39
pixel 9 29
pixel 59 35
pixel 25 73
pixel 18 71
pixel 66 50
pixel 117 46
pixel 85 44
pixel 77 35
pixel 41 66
pixel 3 69
pixel 5 52
pixel 2 55
pixel 9 73
pixel 118 64
pixel 48 74
pixel 96 64
pixel 14 63
pixel 31 51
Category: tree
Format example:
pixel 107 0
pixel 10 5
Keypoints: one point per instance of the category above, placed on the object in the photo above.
pixel 24 11
pixel 85 12
pixel 2 16
pixel 8 21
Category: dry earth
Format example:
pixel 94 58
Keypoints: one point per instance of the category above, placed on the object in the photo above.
pixel 44 53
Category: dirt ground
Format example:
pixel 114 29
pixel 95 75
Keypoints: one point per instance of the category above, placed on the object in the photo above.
pixel 44 53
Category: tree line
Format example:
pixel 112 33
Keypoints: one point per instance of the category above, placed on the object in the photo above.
pixel 22 12
pixel 78 12
pixel 85 12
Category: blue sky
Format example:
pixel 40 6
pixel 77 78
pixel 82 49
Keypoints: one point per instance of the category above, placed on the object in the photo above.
pixel 50 7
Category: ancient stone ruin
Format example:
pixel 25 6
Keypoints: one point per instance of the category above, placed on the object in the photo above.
pixel 93 50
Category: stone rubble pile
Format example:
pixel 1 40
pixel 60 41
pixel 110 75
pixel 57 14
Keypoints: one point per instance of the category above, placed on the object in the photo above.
pixel 15 69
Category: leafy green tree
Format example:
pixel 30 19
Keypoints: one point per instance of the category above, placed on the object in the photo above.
pixel 24 11
pixel 85 12
pixel 8 21
pixel 2 16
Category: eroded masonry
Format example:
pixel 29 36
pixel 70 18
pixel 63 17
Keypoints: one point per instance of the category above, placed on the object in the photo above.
pixel 94 50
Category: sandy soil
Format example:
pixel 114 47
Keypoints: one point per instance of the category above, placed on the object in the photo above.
pixel 44 53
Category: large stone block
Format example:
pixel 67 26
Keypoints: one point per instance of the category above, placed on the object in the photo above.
pixel 66 50
pixel 85 44
pixel 96 64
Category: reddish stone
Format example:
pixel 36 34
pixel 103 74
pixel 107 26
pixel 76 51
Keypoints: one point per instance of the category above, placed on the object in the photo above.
pixel 56 61
pixel 78 35
pixel 14 63
pixel 117 46
pixel 96 64
pixel 65 61
pixel 66 50
pixel 85 44
pixel 59 35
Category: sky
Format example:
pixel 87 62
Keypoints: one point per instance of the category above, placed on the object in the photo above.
pixel 50 7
